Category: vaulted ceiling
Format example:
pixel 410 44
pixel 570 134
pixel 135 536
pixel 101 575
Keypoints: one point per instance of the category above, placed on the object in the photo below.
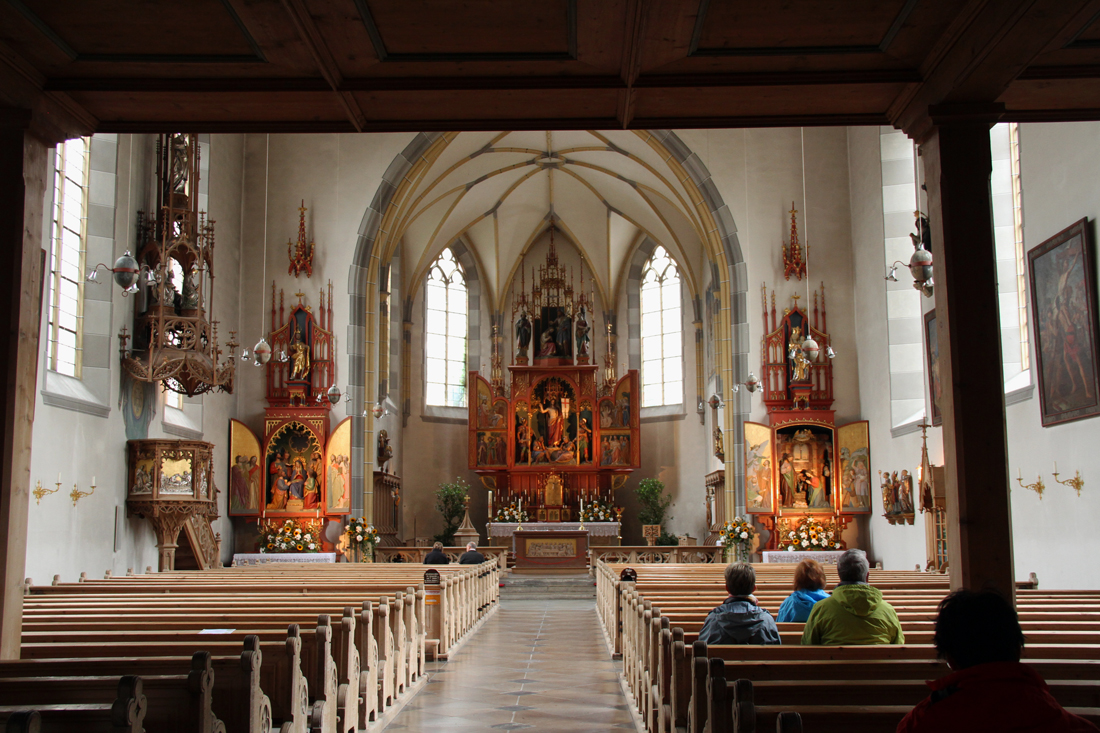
pixel 501 191
pixel 344 65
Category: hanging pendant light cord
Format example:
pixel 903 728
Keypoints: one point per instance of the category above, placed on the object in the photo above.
pixel 805 219
pixel 267 179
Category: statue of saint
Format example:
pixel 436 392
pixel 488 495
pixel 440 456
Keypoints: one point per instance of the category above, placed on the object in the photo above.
pixel 523 333
pixel 385 450
pixel 180 164
pixel 800 363
pixel 299 355
pixel 190 297
pixel 583 338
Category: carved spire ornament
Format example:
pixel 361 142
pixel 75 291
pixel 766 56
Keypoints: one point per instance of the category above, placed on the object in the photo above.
pixel 793 264
pixel 301 255
pixel 175 340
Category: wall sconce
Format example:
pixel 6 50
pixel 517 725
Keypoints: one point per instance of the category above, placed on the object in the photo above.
pixel 125 273
pixel 77 494
pixel 1038 487
pixel 1076 483
pixel 40 491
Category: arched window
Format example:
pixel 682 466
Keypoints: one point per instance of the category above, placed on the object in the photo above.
pixel 445 316
pixel 68 233
pixel 662 332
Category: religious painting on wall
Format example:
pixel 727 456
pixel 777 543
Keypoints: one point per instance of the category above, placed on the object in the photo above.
pixel 554 422
pixel 1063 306
pixel 523 434
pixel 897 495
pixel 137 401
pixel 805 470
pixel 932 349
pixel 758 468
pixel 554 332
pixel 245 470
pixel 338 469
pixel 584 434
pixel 854 466
pixel 294 469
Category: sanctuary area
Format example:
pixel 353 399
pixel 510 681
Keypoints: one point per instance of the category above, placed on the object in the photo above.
pixel 588 300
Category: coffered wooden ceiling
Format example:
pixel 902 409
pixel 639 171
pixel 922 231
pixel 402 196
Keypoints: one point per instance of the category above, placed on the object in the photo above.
pixel 378 65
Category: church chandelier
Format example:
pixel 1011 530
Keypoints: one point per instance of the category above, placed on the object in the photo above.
pixel 175 339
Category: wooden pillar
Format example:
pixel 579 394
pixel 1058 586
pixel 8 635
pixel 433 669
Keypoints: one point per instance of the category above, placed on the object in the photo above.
pixel 23 161
pixel 979 522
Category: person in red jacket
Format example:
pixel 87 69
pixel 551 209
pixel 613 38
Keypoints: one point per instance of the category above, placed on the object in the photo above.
pixel 979 636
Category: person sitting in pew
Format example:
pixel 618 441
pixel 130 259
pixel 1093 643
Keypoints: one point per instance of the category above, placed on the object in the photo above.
pixel 978 635
pixel 855 613
pixel 437 556
pixel 471 556
pixel 739 620
pixel 809 588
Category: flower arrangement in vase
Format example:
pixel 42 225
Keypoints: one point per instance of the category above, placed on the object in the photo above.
pixel 512 514
pixel 810 534
pixel 289 536
pixel 362 538
pixel 597 512
pixel 737 535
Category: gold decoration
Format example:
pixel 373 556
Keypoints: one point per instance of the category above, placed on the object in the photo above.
pixel 301 257
pixel 1038 487
pixel 1076 483
pixel 793 264
pixel 40 491
pixel 77 494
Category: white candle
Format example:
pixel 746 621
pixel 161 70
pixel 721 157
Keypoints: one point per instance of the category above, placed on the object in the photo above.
pixel 1056 467
pixel 58 477
pixel 93 480
pixel 582 507
pixel 519 504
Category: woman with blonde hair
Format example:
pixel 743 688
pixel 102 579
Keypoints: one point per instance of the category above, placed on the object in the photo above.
pixel 809 588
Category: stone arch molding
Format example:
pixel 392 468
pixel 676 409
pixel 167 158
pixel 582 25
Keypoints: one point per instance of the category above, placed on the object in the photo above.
pixel 725 247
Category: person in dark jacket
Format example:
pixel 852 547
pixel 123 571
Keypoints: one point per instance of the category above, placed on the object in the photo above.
pixel 739 620
pixel 809 588
pixel 978 635
pixel 437 556
pixel 471 556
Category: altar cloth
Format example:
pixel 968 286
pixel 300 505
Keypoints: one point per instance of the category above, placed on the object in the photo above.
pixel 825 557
pixel 265 558
pixel 595 529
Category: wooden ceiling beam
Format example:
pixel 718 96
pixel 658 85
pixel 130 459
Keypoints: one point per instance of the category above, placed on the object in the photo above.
pixel 326 64
pixel 637 13
pixel 990 43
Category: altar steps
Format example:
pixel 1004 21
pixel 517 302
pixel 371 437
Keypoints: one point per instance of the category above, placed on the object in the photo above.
pixel 526 586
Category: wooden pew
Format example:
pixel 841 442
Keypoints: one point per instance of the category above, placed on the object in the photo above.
pixel 119 707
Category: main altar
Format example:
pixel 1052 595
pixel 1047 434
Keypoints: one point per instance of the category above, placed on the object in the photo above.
pixel 802 470
pixel 554 440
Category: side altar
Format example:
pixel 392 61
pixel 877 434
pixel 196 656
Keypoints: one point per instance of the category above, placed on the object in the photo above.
pixel 801 466
pixel 554 441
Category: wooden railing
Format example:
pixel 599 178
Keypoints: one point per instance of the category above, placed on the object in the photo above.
pixel 417 554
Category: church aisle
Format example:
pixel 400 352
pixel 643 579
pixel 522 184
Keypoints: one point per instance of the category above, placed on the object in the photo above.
pixel 536 664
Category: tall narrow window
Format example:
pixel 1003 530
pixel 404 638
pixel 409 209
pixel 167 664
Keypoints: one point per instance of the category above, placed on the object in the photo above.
pixel 445 333
pixel 67 236
pixel 1008 230
pixel 662 332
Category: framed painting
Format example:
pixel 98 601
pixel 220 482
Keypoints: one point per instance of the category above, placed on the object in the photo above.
pixel 245 470
pixel 758 469
pixel 338 469
pixel 1063 307
pixel 932 350
pixel 294 467
pixel 853 443
pixel 804 470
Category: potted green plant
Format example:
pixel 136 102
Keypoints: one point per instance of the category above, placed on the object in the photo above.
pixel 654 507
pixel 450 502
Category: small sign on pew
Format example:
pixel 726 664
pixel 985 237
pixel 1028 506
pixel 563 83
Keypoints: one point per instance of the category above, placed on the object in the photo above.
pixel 431 577
pixel 629 575
pixel 217 631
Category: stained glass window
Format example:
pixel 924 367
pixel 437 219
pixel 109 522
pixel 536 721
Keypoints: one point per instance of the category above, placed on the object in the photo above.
pixel 445 319
pixel 662 332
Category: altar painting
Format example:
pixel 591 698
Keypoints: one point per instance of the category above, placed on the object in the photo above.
pixel 554 334
pixel 144 470
pixel 490 415
pixel 294 466
pixel 245 470
pixel 338 469
pixel 492 449
pixel 584 434
pixel 758 468
pixel 805 469
pixel 615 449
pixel 854 467
pixel 553 422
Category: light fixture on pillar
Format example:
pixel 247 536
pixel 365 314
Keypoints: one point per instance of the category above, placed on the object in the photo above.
pixel 920 264
pixel 333 394
pixel 751 384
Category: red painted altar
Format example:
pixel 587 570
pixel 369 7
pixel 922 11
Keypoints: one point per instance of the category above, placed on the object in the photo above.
pixel 301 468
pixel 801 464
pixel 553 435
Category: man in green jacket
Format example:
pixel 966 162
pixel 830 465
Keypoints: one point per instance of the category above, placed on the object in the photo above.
pixel 855 612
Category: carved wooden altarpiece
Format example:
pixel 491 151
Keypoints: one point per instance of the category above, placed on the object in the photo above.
pixel 301 468
pixel 801 463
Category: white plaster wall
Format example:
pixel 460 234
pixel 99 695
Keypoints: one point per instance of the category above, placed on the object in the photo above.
pixel 1058 164
pixel 64 539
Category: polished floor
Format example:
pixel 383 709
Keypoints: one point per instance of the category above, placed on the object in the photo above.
pixel 535 665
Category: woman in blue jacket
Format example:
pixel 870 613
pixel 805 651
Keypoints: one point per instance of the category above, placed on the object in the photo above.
pixel 809 588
